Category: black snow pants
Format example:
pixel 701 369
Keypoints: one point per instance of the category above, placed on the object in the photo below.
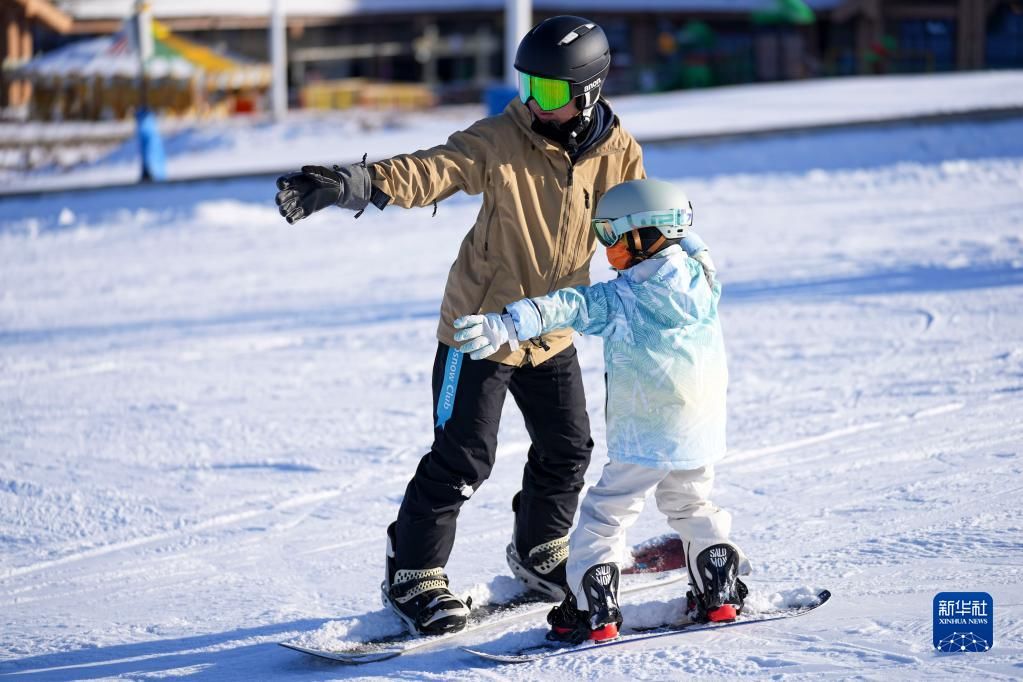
pixel 468 396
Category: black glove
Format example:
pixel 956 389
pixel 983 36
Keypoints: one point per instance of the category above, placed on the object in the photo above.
pixel 315 187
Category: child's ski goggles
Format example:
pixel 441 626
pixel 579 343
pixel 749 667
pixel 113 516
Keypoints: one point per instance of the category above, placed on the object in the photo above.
pixel 549 93
pixel 672 223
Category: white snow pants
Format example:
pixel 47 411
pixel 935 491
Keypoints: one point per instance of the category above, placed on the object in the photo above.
pixel 614 503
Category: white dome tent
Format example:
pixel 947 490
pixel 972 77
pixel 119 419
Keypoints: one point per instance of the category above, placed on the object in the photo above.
pixel 99 78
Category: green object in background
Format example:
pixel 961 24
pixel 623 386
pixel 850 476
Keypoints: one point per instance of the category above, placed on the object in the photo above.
pixel 697 34
pixel 697 39
pixel 696 76
pixel 785 12
pixel 879 56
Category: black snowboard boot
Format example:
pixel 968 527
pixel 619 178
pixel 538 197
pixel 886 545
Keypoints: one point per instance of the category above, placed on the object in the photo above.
pixel 603 619
pixel 421 598
pixel 717 594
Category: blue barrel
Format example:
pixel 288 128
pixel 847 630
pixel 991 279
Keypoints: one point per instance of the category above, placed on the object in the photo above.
pixel 496 97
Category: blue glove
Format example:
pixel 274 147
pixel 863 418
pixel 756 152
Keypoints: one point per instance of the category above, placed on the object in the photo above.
pixel 700 252
pixel 710 272
pixel 484 334
pixel 526 316
pixel 693 244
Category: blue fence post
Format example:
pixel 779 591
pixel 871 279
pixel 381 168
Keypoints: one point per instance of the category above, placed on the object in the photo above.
pixel 154 161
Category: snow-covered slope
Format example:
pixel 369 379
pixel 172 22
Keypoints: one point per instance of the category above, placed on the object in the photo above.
pixel 207 417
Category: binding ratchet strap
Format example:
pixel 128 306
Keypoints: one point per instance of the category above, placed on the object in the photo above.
pixel 419 582
pixel 549 555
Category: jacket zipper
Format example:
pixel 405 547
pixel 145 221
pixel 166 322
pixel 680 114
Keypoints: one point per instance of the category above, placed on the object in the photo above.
pixel 562 225
pixel 586 194
pixel 486 231
pixel 591 153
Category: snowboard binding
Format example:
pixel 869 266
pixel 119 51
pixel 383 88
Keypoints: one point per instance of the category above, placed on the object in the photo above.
pixel 601 622
pixel 421 598
pixel 541 568
pixel 717 594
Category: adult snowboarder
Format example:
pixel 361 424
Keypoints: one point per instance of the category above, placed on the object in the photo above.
pixel 541 166
pixel 666 381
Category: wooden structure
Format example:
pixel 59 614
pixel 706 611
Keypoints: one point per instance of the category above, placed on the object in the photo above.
pixel 100 79
pixel 18 18
pixel 873 20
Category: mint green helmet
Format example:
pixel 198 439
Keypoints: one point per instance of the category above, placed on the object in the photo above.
pixel 638 204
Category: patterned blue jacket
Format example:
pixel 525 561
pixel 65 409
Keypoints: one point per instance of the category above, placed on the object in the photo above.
pixel 664 354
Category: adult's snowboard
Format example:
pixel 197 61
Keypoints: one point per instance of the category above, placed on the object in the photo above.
pixel 660 555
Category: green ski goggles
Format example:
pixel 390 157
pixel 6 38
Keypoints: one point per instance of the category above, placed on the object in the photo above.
pixel 672 224
pixel 549 93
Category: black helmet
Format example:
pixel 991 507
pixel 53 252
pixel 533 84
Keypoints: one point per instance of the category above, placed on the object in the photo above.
pixel 567 48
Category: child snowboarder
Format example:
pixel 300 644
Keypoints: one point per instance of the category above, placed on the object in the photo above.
pixel 540 165
pixel 666 381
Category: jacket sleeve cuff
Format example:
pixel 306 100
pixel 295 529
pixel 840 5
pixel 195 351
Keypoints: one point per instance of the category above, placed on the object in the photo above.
pixel 356 187
pixel 526 317
pixel 379 198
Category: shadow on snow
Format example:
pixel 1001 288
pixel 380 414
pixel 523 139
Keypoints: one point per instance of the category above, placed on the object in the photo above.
pixel 221 656
pixel 262 321
pixel 909 279
pixel 838 150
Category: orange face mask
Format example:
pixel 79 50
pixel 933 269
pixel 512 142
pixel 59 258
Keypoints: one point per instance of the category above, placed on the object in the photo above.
pixel 618 256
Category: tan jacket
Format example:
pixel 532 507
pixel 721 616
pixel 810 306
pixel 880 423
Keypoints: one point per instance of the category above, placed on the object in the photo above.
pixel 532 235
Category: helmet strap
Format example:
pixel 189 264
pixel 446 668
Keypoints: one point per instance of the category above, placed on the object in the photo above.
pixel 572 144
pixel 586 103
pixel 583 122
pixel 635 244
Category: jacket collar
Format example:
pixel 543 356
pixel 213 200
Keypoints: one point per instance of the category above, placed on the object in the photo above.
pixel 613 143
pixel 660 263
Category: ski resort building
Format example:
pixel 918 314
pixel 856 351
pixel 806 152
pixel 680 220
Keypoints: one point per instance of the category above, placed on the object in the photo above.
pixel 452 50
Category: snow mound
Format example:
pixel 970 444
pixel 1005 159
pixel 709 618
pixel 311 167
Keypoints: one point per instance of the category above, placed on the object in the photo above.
pixel 658 612
pixel 654 613
pixel 758 602
pixel 350 633
pixel 500 590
